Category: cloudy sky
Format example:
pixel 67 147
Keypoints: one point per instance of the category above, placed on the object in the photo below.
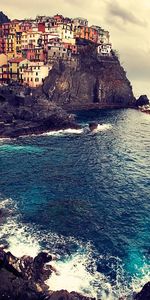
pixel 127 20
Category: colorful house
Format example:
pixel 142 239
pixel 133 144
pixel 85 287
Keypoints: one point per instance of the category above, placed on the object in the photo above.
pixel 4 73
pixel 6 29
pixel 58 18
pixel 30 39
pixel 57 51
pixel 104 49
pixel 3 59
pixel 71 48
pixel 34 54
pixel 35 74
pixel 14 68
pixel 24 64
pixel 87 33
pixel 41 27
pixel 80 22
pixel 2 45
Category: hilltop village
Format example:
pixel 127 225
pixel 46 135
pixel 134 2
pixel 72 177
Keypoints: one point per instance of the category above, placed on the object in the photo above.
pixel 30 47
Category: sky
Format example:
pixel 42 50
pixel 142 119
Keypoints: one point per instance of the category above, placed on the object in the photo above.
pixel 127 21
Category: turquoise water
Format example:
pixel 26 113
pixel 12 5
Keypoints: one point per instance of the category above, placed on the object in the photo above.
pixel 86 197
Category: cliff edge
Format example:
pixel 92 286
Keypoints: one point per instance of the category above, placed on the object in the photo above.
pixel 89 81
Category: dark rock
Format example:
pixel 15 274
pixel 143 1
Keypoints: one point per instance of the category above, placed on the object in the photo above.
pixel 145 293
pixel 89 82
pixel 24 278
pixel 93 126
pixel 31 115
pixel 142 100
pixel 3 18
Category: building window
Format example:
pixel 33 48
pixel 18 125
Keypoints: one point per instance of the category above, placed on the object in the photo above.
pixel 36 79
pixel 36 73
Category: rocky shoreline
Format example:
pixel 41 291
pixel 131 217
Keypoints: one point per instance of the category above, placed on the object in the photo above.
pixel 29 114
pixel 25 279
pixel 26 112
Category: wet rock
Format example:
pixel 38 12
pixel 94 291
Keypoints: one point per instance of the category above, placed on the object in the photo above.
pixel 24 278
pixel 93 126
pixel 31 115
pixel 145 293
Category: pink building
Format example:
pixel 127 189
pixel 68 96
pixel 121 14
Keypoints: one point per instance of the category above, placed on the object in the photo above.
pixel 35 54
pixel 26 26
pixel 72 48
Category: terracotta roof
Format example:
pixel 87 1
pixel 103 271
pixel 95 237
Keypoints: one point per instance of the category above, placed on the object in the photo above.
pixel 16 60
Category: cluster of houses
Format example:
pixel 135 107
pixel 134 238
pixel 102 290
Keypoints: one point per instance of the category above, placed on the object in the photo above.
pixel 28 48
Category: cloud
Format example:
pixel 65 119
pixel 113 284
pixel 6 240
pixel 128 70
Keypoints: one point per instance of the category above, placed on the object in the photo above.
pixel 124 14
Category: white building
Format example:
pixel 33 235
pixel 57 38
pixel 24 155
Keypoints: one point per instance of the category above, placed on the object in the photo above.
pixel 104 49
pixel 34 74
pixel 30 39
pixel 80 22
pixel 22 66
pixel 66 33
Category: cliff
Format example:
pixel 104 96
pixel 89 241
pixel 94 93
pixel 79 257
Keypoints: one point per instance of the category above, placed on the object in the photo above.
pixel 88 81
pixel 26 114
pixel 84 82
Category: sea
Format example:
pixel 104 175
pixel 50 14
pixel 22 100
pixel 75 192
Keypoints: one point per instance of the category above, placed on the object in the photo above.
pixel 84 196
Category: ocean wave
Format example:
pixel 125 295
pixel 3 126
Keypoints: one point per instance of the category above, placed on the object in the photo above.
pixel 20 148
pixel 83 130
pixel 102 127
pixel 4 140
pixel 63 132
pixel 78 260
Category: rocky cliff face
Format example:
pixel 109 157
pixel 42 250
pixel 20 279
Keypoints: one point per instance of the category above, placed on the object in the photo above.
pixel 29 114
pixel 89 81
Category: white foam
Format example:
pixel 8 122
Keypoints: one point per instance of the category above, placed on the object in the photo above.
pixel 78 271
pixel 139 281
pixel 102 127
pixel 75 277
pixel 62 132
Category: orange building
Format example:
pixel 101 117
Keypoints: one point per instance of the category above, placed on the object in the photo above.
pixel 87 33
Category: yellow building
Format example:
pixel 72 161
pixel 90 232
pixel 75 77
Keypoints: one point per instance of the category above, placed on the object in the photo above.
pixel 13 45
pixel 14 68
pixel 15 27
